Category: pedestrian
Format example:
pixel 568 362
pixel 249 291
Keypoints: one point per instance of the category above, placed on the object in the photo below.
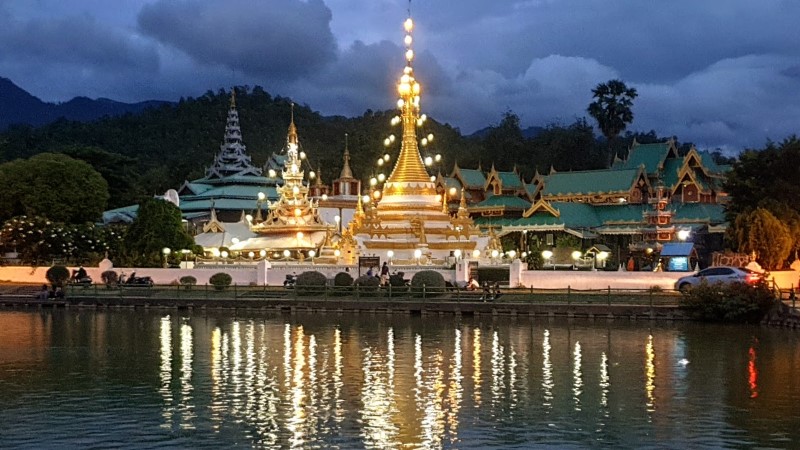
pixel 486 291
pixel 496 291
pixel 43 294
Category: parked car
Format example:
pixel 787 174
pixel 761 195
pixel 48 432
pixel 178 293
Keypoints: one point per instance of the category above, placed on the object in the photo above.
pixel 720 274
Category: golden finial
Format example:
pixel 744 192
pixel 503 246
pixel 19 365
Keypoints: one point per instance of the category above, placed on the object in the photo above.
pixel 233 97
pixel 409 167
pixel 292 135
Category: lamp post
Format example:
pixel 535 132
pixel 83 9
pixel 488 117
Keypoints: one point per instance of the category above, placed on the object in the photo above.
pixel 417 255
pixel 457 254
pixel 338 221
pixel 166 251
pixel 312 254
pixel 494 256
pixel 390 255
pixel 547 254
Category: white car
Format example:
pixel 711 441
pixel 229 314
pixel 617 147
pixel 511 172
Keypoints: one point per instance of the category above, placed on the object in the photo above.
pixel 720 274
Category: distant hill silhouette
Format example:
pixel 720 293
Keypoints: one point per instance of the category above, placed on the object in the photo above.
pixel 17 106
pixel 528 133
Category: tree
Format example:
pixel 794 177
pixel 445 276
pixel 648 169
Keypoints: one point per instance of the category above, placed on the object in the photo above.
pixel 505 142
pixel 157 226
pixel 612 109
pixel 776 163
pixel 54 186
pixel 762 233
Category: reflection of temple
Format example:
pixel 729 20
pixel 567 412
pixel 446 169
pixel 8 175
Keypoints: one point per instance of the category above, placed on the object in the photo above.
pixel 407 217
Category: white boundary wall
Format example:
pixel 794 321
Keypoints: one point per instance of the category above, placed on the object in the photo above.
pixel 274 275
pixel 561 279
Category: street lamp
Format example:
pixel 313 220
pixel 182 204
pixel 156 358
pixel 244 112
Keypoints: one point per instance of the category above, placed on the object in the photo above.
pixel 494 256
pixel 417 255
pixel 338 219
pixel 683 235
pixel 602 257
pixel 547 254
pixel 312 254
pixel 286 254
pixel 457 254
pixel 166 251
pixel 390 255
pixel 476 253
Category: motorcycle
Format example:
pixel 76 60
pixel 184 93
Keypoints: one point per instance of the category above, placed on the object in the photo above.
pixel 290 281
pixel 80 279
pixel 133 280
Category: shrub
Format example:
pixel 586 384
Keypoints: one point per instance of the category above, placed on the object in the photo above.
pixel 109 277
pixel 367 283
pixel 310 283
pixel 220 280
pixel 188 281
pixel 57 275
pixel 342 283
pixel 430 282
pixel 734 302
pixel 343 279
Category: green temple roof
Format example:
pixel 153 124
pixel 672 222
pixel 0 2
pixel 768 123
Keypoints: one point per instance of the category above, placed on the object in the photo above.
pixel 589 182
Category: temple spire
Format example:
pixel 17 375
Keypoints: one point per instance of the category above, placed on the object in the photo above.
pixel 232 158
pixel 409 167
pixel 346 172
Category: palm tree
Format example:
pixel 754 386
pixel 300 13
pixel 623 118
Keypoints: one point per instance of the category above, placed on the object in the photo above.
pixel 612 109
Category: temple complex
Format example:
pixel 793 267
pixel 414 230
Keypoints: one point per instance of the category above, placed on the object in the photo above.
pixel 407 220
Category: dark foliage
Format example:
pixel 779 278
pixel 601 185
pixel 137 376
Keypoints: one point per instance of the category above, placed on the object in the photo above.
pixel 57 275
pixel 427 282
pixel 311 283
pixel 734 302
pixel 220 280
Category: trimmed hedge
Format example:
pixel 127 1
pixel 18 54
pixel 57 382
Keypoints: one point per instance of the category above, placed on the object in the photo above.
pixel 429 282
pixel 367 283
pixel 110 278
pixel 310 283
pixel 342 283
pixel 57 275
pixel 188 281
pixel 220 280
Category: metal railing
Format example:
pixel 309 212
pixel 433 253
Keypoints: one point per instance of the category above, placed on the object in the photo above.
pixel 568 296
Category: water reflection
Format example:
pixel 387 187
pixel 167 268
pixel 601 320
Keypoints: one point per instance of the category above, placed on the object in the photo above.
pixel 650 375
pixel 752 371
pixel 281 382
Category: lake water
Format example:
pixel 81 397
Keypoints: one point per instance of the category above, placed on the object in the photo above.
pixel 153 379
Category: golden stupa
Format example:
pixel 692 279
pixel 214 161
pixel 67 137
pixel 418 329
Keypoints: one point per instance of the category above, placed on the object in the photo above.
pixel 406 220
pixel 292 228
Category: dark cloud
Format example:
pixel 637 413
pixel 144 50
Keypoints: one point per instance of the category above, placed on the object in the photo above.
pixel 79 41
pixel 281 39
pixel 718 74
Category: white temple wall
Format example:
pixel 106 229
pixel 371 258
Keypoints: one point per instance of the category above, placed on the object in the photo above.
pixel 518 277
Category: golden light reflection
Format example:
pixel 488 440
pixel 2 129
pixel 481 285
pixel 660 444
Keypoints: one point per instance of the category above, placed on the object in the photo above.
pixel 577 376
pixel 497 370
pixel 650 374
pixel 235 370
pixel 377 397
pixel 476 366
pixel 337 376
pixel 390 355
pixel 456 390
pixel 512 375
pixel 605 380
pixel 216 357
pixel 165 372
pixel 752 371
pixel 418 370
pixel 296 423
pixel 433 421
pixel 187 350
pixel 547 372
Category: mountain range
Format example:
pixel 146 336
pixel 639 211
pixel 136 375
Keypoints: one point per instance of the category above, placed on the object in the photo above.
pixel 17 106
